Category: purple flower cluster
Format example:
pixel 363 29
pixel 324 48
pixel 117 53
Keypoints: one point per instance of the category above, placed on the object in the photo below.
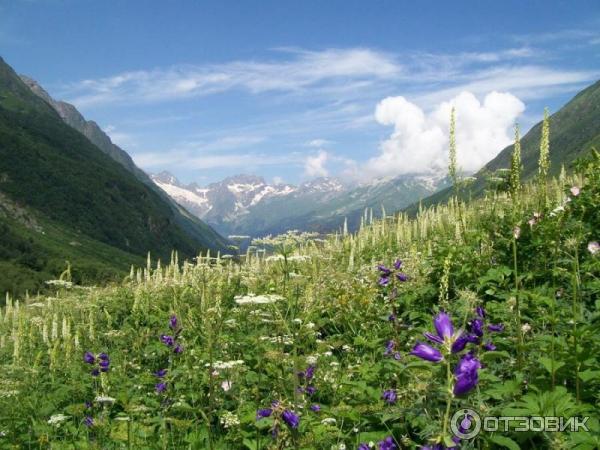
pixel 389 396
pixel 306 387
pixel 446 337
pixel 387 274
pixel 290 418
pixel 387 444
pixel 466 372
pixel 477 329
pixel 171 341
pixel 390 350
pixel 161 386
pixel 100 363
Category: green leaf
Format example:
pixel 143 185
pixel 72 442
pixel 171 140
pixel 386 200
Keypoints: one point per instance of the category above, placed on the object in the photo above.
pixel 588 375
pixel 547 363
pixel 504 442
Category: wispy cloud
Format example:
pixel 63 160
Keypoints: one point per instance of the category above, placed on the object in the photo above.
pixel 300 69
pixel 246 160
pixel 222 152
pixel 526 81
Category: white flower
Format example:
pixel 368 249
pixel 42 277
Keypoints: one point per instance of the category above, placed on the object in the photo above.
pixel 229 419
pixel 226 364
pixel 57 419
pixel 517 232
pixel 297 321
pixel 60 283
pixel 526 328
pixel 593 247
pixel 311 359
pixel 310 325
pixel 329 421
pixel 104 399
pixel 575 191
pixel 252 299
pixel 226 385
pixel 328 353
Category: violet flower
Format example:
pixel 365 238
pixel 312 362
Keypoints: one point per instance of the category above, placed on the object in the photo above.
pixel 466 374
pixel 387 444
pixel 160 387
pixel 426 352
pixel 173 322
pixel 169 341
pixel 495 327
pixel 389 396
pixel 262 413
pixel 89 358
pixel 290 418
pixel 315 408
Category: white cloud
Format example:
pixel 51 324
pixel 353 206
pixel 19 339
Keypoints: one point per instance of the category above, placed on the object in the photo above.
pixel 419 142
pixel 318 143
pixel 314 166
pixel 176 159
pixel 302 70
pixel 526 82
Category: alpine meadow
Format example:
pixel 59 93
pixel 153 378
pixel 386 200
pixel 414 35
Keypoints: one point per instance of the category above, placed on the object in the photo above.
pixel 413 298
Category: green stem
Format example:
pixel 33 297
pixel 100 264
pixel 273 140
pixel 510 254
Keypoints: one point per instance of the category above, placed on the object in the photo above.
pixel 517 306
pixel 575 319
pixel 449 398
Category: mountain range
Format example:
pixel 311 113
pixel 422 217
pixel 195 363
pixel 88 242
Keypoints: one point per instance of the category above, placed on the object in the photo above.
pixel 247 205
pixel 68 194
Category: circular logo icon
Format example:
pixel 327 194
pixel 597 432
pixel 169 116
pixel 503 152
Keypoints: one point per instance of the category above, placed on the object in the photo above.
pixel 465 423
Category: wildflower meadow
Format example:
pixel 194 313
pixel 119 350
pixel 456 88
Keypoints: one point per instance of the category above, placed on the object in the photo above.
pixel 373 339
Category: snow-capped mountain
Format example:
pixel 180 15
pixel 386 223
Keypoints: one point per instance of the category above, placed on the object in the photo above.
pixel 227 200
pixel 248 205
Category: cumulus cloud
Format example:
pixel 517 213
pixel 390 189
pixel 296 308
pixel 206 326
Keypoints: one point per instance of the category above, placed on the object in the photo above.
pixel 419 141
pixel 314 166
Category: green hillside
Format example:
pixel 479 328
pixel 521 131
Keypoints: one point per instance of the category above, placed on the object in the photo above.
pixel 575 129
pixel 34 252
pixel 59 175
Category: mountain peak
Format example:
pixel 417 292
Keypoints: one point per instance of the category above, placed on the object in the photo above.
pixel 165 177
pixel 323 184
pixel 245 179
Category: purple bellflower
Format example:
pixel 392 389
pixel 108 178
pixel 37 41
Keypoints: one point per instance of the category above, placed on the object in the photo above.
pixel 290 418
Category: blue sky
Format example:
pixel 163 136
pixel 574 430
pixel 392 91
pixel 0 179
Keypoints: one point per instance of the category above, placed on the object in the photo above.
pixel 293 90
